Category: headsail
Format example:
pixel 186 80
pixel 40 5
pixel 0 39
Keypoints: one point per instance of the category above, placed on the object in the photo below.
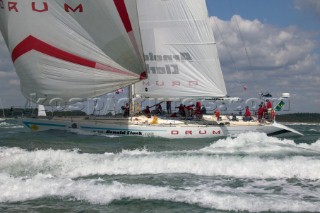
pixel 72 49
pixel 180 50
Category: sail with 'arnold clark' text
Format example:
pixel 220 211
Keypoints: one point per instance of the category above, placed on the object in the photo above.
pixel 73 49
pixel 180 51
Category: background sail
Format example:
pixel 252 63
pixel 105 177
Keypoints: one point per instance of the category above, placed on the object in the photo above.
pixel 72 49
pixel 180 51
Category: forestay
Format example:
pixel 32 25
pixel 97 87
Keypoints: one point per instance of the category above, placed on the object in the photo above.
pixel 180 50
pixel 70 50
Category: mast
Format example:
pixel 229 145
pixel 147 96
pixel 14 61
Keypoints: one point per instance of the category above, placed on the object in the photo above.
pixel 131 99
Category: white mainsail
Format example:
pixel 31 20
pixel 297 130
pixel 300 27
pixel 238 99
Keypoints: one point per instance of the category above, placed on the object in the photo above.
pixel 180 50
pixel 72 49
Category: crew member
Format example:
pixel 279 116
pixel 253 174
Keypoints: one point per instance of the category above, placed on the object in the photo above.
pixel 169 107
pixel 126 110
pixel 260 113
pixel 181 110
pixel 147 112
pixel 217 114
pixel 247 115
pixel 158 110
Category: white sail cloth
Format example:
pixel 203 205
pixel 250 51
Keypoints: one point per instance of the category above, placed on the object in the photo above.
pixel 180 50
pixel 72 49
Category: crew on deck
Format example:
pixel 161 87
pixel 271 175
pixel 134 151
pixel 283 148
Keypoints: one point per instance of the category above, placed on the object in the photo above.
pixel 181 110
pixel 260 113
pixel 147 112
pixel 158 110
pixel 217 114
pixel 126 110
pixel 247 115
pixel 268 110
pixel 198 112
pixel 168 103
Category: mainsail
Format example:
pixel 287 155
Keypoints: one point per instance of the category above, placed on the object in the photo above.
pixel 180 50
pixel 73 49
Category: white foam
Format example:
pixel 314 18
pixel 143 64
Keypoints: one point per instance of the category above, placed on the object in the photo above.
pixel 258 143
pixel 71 164
pixel 99 192
pixel 6 125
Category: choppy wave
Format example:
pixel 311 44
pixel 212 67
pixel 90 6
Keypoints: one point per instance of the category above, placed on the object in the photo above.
pixel 254 158
pixel 259 143
pixel 263 164
pixel 6 125
pixel 100 192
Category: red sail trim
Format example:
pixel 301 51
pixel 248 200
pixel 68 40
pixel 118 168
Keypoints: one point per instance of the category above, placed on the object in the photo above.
pixel 122 10
pixel 32 43
pixel 123 13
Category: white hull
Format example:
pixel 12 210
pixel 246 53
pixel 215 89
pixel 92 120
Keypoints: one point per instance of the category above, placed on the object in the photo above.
pixel 165 128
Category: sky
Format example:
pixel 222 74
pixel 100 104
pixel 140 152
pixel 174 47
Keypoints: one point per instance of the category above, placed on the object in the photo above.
pixel 264 46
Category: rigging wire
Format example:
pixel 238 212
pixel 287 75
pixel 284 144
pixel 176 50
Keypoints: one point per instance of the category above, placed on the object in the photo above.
pixel 242 39
pixel 244 85
pixel 257 87
pixel 226 45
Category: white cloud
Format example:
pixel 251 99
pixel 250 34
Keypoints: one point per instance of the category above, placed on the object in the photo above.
pixel 10 93
pixel 309 5
pixel 279 59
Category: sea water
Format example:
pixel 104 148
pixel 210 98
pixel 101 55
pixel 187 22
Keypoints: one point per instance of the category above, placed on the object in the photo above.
pixel 57 171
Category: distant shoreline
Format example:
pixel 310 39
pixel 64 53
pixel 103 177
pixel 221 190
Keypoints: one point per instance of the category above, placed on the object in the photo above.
pixel 299 117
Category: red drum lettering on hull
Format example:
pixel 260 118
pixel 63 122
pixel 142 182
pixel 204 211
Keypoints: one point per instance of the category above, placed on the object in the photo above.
pixel 174 132
pixel 188 132
pixel 201 132
pixel 216 133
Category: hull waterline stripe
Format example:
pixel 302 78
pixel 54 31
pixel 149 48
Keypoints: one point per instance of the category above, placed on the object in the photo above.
pixel 32 43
